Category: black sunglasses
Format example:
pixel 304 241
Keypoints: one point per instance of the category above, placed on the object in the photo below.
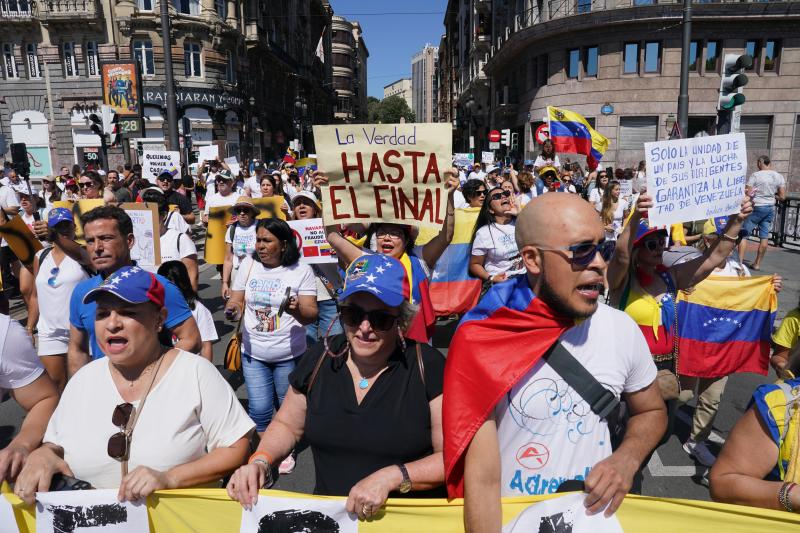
pixel 499 195
pixel 353 316
pixel 85 184
pixel 583 253
pixel 119 443
pixel 654 244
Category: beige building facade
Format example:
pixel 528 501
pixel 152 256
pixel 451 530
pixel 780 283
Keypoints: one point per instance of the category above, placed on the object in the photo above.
pixel 350 56
pixel 401 88
pixel 424 84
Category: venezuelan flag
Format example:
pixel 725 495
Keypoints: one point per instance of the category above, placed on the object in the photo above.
pixel 453 291
pixel 306 164
pixel 724 326
pixel 571 133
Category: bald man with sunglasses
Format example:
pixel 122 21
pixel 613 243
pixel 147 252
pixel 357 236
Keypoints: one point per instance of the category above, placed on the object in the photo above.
pixel 542 432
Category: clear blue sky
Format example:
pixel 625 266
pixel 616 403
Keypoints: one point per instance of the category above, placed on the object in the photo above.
pixel 392 38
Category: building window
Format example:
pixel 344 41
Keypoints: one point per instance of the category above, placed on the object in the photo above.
pixel 230 68
pixel 652 57
pixel 583 6
pixel 543 73
pixel 573 63
pixel 644 2
pixel 712 56
pixel 221 7
pixel 16 8
pixel 590 62
pixel 70 60
pixel 631 58
pixel 772 51
pixel 192 60
pixel 694 46
pixel 753 49
pixel 188 7
pixel 10 61
pixel 144 5
pixel 32 59
pixel 635 131
pixel 92 59
pixel 143 52
pixel 757 131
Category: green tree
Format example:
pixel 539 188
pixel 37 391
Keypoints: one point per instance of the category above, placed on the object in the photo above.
pixel 373 110
pixel 393 108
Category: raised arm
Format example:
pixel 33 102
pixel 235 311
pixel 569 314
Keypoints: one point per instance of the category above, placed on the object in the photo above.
pixel 620 263
pixel 434 248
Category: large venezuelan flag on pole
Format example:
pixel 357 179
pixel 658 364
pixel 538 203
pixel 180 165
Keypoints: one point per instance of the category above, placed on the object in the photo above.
pixel 571 133
pixel 724 326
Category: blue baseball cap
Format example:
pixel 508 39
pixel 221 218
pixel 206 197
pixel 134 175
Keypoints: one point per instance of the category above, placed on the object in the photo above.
pixel 379 275
pixel 59 214
pixel 644 229
pixel 717 226
pixel 131 284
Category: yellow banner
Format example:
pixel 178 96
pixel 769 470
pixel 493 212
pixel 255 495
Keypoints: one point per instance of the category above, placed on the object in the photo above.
pixel 20 239
pixel 78 208
pixel 270 207
pixel 219 218
pixel 384 172
pixel 210 510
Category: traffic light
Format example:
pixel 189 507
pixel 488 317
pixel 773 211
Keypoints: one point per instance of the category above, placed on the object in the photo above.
pixel 110 125
pixel 505 137
pixel 514 141
pixel 732 81
pixel 96 124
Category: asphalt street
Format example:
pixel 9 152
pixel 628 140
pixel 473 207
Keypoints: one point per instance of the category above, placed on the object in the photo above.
pixel 669 473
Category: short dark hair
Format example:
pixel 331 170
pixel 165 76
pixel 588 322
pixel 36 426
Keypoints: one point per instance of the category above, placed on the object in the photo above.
pixel 106 212
pixel 96 178
pixel 157 198
pixel 763 159
pixel 283 232
pixel 470 187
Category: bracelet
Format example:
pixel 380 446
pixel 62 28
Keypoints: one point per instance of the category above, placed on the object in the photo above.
pixel 268 480
pixel 783 496
pixel 726 237
pixel 256 455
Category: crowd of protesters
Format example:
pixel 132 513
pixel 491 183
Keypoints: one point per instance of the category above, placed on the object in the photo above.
pixel 340 356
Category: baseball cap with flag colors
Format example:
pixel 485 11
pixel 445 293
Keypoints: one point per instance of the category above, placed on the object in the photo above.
pixel 382 276
pixel 131 284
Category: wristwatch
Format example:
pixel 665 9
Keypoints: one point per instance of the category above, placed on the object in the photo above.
pixel 405 485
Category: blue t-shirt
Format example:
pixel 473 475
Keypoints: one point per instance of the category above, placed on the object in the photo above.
pixel 82 315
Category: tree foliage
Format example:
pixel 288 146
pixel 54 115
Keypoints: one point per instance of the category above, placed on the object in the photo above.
pixel 389 110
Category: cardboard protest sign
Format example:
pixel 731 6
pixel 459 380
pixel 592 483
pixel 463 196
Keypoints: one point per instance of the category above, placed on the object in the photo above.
pixel 154 163
pixel 146 249
pixel 311 241
pixel 219 218
pixel 233 165
pixel 487 157
pixel 78 208
pixel 463 160
pixel 20 239
pixel 625 188
pixel 270 207
pixel 209 152
pixel 384 172
pixel 695 179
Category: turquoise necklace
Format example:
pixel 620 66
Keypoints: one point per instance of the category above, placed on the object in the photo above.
pixel 364 383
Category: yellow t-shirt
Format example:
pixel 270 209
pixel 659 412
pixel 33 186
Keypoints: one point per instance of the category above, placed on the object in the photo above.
pixel 789 332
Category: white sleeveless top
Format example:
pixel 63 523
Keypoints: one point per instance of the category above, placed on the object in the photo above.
pixel 54 296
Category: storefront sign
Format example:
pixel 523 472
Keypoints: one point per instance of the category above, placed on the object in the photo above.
pixel 189 97
pixel 122 88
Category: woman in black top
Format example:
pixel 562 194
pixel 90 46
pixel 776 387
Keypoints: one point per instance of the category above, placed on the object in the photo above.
pixel 368 402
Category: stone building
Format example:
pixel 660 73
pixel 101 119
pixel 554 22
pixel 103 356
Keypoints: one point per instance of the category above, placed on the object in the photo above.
pixel 617 62
pixel 245 81
pixel 349 71
pixel 401 88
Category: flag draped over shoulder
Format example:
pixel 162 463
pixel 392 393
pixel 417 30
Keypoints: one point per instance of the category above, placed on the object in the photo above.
pixel 572 133
pixel 724 326
pixel 495 345
pixel 453 290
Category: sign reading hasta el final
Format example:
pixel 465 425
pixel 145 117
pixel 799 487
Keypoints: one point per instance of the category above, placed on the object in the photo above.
pixel 384 172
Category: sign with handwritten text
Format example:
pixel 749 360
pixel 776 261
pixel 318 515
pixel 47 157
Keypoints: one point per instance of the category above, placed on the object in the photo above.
pixel 695 179
pixel 384 172
pixel 312 242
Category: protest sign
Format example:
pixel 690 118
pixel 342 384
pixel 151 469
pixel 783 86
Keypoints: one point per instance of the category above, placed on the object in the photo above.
pixel 20 239
pixel 311 241
pixel 209 152
pixel 97 510
pixel 487 158
pixel 146 249
pixel 78 208
pixel 384 172
pixel 695 179
pixel 219 218
pixel 463 160
pixel 270 207
pixel 625 188
pixel 154 163
pixel 298 514
pixel 233 165
pixel 567 513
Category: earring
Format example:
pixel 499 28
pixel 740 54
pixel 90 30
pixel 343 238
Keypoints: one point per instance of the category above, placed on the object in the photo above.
pixel 402 338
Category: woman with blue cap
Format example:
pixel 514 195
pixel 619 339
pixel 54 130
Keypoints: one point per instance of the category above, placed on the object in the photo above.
pixel 56 275
pixel 368 402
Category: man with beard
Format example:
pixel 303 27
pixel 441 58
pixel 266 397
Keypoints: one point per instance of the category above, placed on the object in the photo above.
pixel 512 424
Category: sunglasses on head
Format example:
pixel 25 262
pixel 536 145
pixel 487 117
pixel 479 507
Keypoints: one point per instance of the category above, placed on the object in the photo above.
pixel 499 195
pixel 583 253
pixel 119 443
pixel 353 316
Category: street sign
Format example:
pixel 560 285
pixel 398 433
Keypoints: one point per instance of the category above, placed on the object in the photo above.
pixel 494 145
pixel 494 136
pixel 542 133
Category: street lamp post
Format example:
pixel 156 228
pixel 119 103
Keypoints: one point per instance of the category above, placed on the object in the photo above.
pixel 172 98
pixel 301 108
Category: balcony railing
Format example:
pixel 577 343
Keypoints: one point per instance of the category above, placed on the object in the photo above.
pixel 11 10
pixel 58 10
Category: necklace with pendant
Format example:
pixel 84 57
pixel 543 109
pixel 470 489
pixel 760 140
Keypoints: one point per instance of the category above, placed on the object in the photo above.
pixel 363 384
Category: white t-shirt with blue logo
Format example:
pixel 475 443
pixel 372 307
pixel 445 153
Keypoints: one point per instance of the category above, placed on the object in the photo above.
pixel 547 433
pixel 243 242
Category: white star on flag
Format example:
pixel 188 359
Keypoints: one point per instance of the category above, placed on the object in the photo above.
pixel 379 270
pixel 371 278
pixel 126 274
pixel 374 289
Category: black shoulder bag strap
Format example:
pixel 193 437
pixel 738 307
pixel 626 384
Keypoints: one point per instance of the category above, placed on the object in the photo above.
pixel 602 401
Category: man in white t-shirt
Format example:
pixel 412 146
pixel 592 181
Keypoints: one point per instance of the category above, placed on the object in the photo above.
pixel 252 185
pixel 542 432
pixel 224 197
pixel 766 186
